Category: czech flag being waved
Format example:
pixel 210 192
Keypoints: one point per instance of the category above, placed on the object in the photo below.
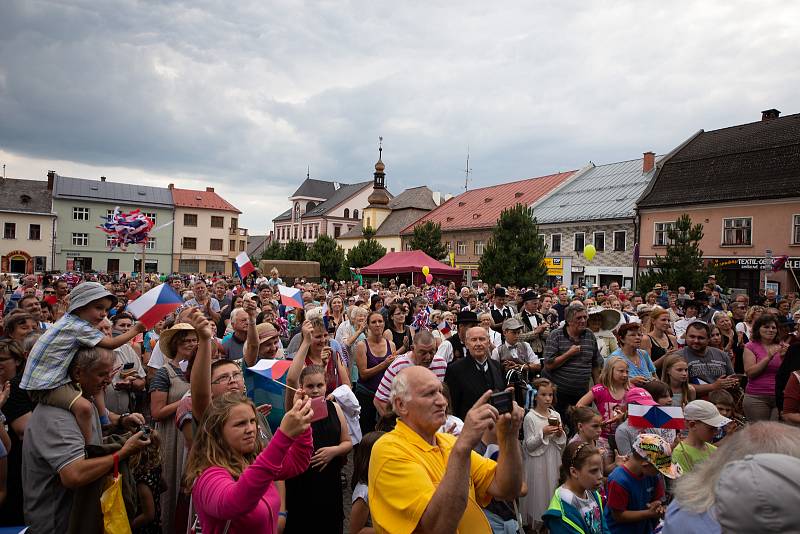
pixel 641 416
pixel 244 266
pixel 155 305
pixel 291 296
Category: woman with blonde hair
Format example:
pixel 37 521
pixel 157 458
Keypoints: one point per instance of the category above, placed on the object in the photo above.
pixel 232 479
pixel 659 341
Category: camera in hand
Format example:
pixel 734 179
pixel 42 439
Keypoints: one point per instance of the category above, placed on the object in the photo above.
pixel 502 400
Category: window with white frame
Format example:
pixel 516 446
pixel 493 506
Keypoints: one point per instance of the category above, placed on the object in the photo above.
pixel 479 248
pixel 151 216
pixel 555 243
pixel 580 241
pixel 80 239
pixel 461 248
pixel 620 240
pixel 737 231
pixel 796 230
pixel 599 241
pixel 151 243
pixel 80 214
pixel 661 233
pixel 109 240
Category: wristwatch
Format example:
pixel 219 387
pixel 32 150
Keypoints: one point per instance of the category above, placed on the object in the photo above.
pixel 122 418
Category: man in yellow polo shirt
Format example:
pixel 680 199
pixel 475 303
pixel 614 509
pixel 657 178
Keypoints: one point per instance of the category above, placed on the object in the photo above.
pixel 424 481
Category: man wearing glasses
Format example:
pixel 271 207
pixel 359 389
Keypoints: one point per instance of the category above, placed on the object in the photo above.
pixel 571 358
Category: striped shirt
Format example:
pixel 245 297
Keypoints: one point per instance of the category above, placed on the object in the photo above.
pixel 438 366
pixel 574 374
pixel 50 357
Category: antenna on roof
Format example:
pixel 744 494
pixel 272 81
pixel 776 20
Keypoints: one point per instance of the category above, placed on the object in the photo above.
pixel 467 172
pixel 308 173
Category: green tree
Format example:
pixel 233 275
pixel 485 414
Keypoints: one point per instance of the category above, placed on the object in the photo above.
pixel 295 250
pixel 515 253
pixel 328 253
pixel 428 238
pixel 273 252
pixel 366 252
pixel 683 263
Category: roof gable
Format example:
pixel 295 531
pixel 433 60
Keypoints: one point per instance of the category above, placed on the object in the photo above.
pixel 752 161
pixel 210 200
pixel 343 193
pixel 481 208
pixel 602 192
pixel 311 188
pixel 105 191
pixel 416 197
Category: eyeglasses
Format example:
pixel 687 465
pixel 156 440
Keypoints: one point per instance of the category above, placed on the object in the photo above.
pixel 49 292
pixel 227 379
pixel 190 341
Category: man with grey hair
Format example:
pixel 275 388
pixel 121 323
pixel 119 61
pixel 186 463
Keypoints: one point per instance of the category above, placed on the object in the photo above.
pixel 469 377
pixel 54 457
pixel 426 481
pixel 423 353
pixel 233 343
pixel 572 359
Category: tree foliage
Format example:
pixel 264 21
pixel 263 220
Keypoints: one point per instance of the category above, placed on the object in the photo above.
pixel 515 253
pixel 295 250
pixel 273 252
pixel 366 252
pixel 683 263
pixel 428 238
pixel 328 253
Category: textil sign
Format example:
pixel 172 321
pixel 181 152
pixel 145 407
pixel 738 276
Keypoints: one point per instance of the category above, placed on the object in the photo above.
pixel 751 263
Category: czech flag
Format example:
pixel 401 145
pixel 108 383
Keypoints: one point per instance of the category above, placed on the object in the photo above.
pixel 265 384
pixel 444 328
pixel 155 305
pixel 291 296
pixel 641 416
pixel 244 266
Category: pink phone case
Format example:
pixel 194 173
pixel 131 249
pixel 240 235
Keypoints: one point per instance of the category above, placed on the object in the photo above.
pixel 320 407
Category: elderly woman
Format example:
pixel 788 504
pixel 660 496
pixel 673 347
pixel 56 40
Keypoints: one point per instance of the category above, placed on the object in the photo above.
pixel 349 334
pixel 602 321
pixel 488 323
pixel 19 324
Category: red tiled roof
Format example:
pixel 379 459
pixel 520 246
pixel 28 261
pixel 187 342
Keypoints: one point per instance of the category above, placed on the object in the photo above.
pixel 189 198
pixel 480 208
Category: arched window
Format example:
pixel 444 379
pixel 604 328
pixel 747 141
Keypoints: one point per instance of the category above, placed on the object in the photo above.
pixel 346 213
pixel 355 214
pixel 310 206
pixel 296 211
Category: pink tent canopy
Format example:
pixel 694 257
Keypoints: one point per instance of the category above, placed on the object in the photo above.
pixel 410 262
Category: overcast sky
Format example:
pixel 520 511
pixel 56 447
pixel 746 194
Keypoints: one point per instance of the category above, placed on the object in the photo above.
pixel 244 95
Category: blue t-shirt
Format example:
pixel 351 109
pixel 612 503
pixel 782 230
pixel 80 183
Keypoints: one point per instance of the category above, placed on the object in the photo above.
pixel 645 367
pixel 628 492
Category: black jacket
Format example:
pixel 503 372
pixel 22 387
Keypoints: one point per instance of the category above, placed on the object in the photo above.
pixel 467 383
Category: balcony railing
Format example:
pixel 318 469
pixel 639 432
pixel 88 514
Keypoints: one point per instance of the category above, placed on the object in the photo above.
pixel 238 231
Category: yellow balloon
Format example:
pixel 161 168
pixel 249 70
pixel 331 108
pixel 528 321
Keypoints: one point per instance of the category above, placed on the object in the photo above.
pixel 425 270
pixel 589 251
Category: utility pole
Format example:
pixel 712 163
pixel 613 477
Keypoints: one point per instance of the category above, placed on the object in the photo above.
pixel 467 172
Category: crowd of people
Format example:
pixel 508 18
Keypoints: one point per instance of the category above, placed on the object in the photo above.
pixel 461 408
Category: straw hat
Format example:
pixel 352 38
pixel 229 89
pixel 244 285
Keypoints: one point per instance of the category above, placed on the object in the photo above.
pixel 611 317
pixel 265 331
pixel 167 335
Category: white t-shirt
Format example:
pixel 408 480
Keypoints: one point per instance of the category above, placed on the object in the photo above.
pixel 360 492
pixel 156 358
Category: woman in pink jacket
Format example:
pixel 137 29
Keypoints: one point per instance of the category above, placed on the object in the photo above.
pixel 232 480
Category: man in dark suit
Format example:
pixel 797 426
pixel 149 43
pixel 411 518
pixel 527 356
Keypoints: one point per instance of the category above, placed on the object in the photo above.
pixel 470 377
pixel 500 310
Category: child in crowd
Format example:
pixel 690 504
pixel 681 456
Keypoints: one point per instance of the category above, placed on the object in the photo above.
pixel 655 393
pixel 635 489
pixel 703 420
pixel 46 376
pixel 725 405
pixel 360 522
pixel 675 373
pixel 544 440
pixel 609 395
pixel 320 486
pixel 576 506
pixel 146 468
pixel 589 426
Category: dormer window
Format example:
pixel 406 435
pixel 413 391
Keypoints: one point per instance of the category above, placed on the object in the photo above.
pixel 25 199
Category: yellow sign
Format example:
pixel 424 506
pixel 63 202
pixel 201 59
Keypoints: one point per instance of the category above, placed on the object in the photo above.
pixel 555 266
pixel 452 259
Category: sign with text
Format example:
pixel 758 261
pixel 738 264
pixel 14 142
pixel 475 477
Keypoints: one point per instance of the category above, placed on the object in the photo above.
pixel 751 263
pixel 555 266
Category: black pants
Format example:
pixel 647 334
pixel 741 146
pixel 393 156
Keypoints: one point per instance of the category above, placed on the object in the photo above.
pixel 563 401
pixel 369 414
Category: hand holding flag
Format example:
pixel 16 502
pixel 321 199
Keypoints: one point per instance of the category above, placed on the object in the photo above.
pixel 155 305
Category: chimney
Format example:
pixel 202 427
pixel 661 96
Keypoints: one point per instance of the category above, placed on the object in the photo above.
pixel 769 114
pixel 648 162
pixel 437 197
pixel 209 189
pixel 171 187
pixel 102 178
pixel 51 177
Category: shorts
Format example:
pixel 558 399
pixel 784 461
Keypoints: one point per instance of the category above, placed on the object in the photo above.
pixel 61 397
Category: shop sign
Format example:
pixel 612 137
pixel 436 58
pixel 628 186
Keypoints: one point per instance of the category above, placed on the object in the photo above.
pixel 555 266
pixel 577 268
pixel 73 254
pixel 758 264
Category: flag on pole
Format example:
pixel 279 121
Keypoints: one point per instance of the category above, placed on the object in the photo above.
pixel 155 305
pixel 272 369
pixel 444 328
pixel 244 266
pixel 641 416
pixel 291 296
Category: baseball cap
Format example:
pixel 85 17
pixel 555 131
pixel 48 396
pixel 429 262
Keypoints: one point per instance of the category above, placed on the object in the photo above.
pixel 657 452
pixel 512 323
pixel 639 396
pixel 704 411
pixel 752 494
